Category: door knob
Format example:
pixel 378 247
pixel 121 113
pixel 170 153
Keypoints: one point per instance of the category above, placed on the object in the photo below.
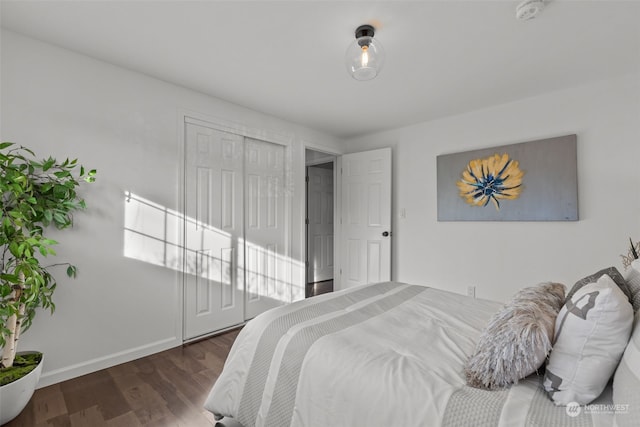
pixel 385 233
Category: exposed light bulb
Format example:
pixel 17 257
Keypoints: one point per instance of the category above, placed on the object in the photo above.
pixel 365 56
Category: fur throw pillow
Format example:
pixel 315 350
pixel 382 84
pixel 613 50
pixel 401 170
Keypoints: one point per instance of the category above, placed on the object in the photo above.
pixel 517 339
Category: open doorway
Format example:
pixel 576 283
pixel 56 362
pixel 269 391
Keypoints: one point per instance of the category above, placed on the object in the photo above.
pixel 320 202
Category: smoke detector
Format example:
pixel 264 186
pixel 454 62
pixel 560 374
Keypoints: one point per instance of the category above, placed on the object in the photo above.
pixel 529 9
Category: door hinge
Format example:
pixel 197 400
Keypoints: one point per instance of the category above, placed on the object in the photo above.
pixel 306 178
pixel 306 221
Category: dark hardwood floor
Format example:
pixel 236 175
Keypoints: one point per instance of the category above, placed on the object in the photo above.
pixel 164 389
pixel 319 288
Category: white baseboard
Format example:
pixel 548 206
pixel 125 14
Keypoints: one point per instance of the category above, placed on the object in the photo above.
pixel 79 369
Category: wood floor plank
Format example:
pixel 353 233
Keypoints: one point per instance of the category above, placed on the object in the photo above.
pixel 59 421
pixel 157 416
pixel 128 381
pixel 164 389
pixel 176 376
pixel 91 416
pixel 122 369
pixel 27 418
pixel 49 404
pixel 125 420
pixel 190 359
pixel 141 396
pixel 97 391
pixel 205 379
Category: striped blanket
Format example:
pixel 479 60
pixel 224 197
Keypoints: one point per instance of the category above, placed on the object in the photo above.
pixel 388 354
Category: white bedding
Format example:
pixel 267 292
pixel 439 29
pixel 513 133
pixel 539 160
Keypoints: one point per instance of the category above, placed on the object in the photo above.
pixel 388 354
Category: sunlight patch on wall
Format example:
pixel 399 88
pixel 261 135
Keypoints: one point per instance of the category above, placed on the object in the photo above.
pixel 153 234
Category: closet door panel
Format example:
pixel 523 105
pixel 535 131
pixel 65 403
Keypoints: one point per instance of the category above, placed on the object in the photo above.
pixel 213 227
pixel 267 265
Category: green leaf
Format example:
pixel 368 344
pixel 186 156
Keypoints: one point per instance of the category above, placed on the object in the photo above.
pixel 5 145
pixel 16 214
pixel 48 164
pixel 13 278
pixel 14 249
pixel 60 191
pixel 46 187
pixel 72 271
pixel 6 223
pixel 59 218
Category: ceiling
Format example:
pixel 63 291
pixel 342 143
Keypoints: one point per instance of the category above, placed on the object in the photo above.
pixel 286 58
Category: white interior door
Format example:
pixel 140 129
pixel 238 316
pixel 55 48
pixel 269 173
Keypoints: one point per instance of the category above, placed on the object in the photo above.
pixel 214 259
pixel 267 265
pixel 320 227
pixel 366 218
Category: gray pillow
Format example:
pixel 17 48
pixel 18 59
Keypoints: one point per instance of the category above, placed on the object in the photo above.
pixel 633 280
pixel 611 272
pixel 626 382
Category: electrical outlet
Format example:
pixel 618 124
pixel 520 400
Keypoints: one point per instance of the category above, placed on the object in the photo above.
pixel 471 291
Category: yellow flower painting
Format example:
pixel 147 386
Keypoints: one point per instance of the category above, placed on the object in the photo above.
pixel 491 179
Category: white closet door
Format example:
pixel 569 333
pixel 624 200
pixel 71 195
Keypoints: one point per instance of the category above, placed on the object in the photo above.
pixel 267 265
pixel 320 227
pixel 366 218
pixel 214 261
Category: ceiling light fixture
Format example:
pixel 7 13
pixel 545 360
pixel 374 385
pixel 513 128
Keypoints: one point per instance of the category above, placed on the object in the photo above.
pixel 365 56
pixel 529 9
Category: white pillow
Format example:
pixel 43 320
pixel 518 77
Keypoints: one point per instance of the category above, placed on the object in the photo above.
pixel 626 382
pixel 633 282
pixel 591 333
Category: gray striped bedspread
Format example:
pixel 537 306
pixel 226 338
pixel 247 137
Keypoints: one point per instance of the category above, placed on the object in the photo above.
pixel 388 354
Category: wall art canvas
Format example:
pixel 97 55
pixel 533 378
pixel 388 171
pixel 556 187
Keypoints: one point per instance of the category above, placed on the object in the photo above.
pixel 528 181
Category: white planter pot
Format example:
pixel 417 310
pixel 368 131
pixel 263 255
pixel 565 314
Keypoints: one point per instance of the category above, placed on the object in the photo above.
pixel 15 396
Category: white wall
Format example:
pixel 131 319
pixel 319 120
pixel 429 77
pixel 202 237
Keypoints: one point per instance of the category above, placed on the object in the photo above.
pixel 501 257
pixel 128 126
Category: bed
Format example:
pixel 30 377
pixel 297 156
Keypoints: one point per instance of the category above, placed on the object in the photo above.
pixel 387 354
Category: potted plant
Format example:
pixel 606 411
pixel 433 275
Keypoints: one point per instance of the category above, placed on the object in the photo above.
pixel 35 194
